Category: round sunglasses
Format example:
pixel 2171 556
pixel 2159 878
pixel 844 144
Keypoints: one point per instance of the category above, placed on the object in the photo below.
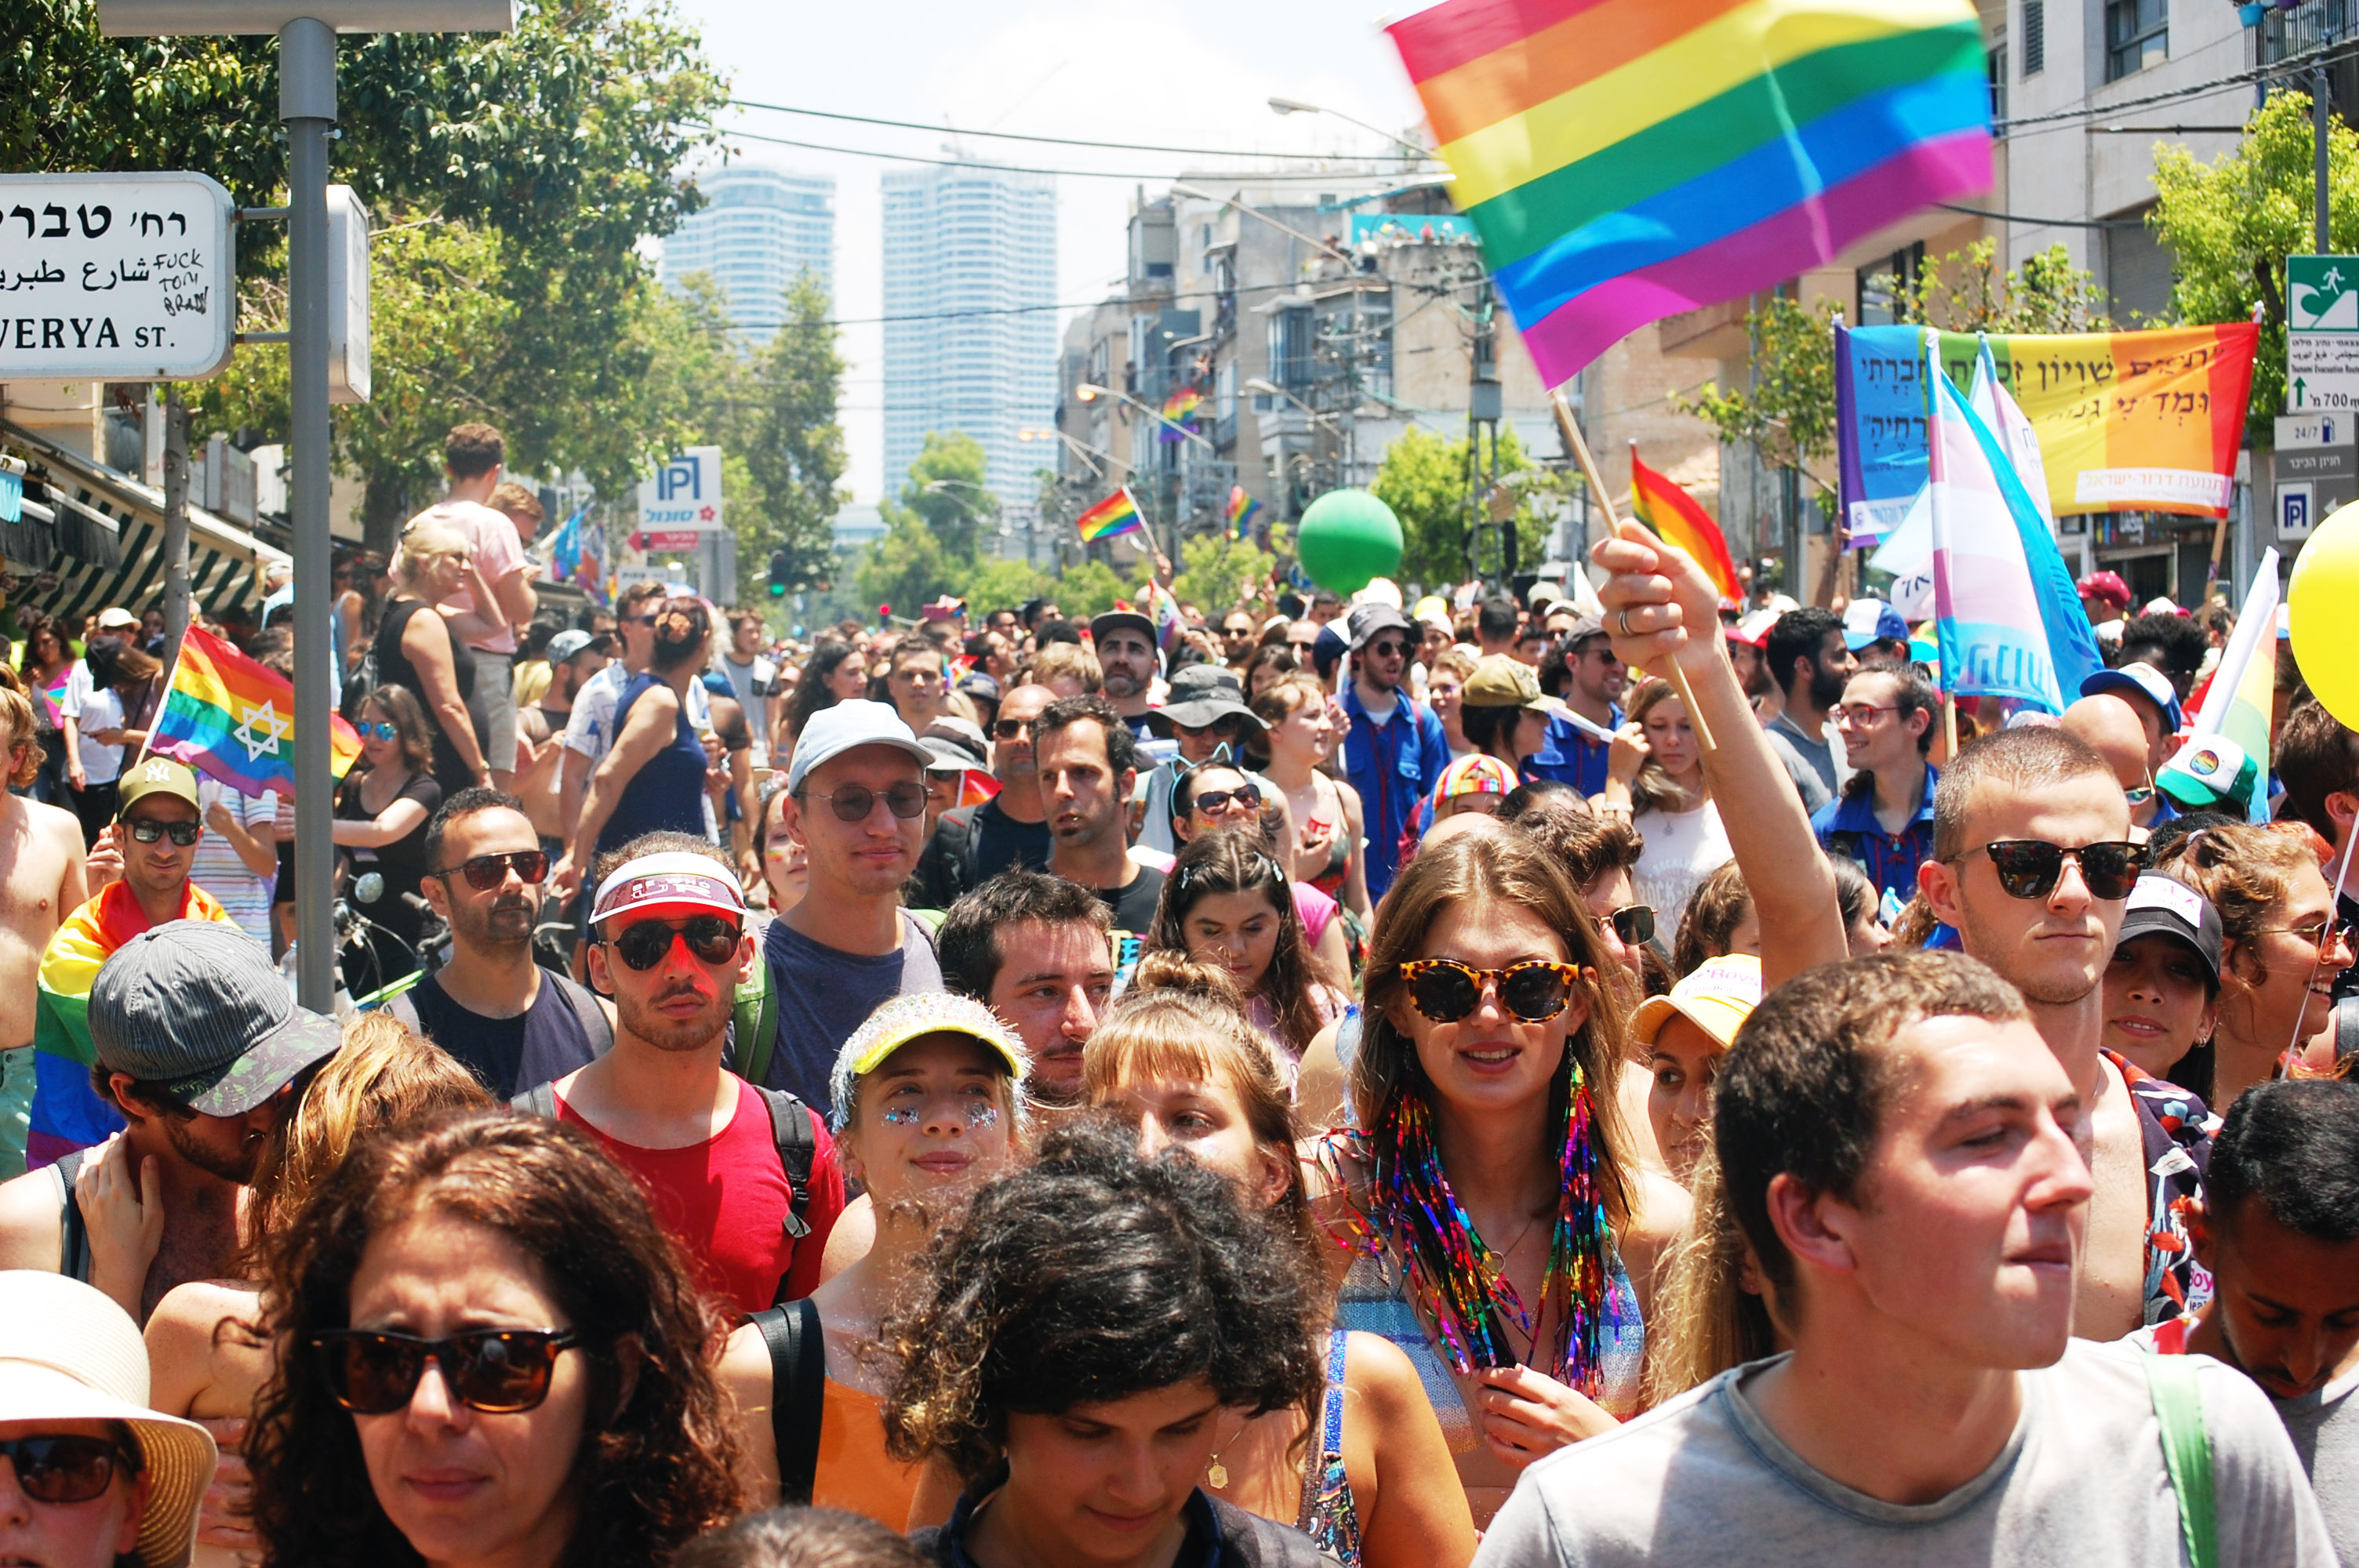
pixel 375 731
pixel 66 1469
pixel 500 1371
pixel 1534 991
pixel 853 803
pixel 645 944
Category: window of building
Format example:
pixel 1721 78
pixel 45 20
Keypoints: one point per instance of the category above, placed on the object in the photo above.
pixel 1882 285
pixel 2137 35
pixel 1997 50
pixel 2035 38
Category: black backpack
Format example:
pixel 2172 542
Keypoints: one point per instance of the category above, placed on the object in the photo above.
pixel 798 1392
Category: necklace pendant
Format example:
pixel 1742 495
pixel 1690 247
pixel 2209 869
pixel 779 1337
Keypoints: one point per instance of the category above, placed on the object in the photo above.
pixel 1217 1473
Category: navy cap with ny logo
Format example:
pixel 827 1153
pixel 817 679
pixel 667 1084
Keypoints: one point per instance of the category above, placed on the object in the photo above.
pixel 196 1008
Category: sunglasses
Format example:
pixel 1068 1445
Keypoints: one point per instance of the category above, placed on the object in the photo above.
pixel 1217 727
pixel 375 731
pixel 484 872
pixel 143 831
pixel 1446 990
pixel 2030 868
pixel 1633 922
pixel 2320 933
pixel 646 943
pixel 499 1372
pixel 1008 728
pixel 1390 650
pixel 66 1469
pixel 2138 796
pixel 1213 801
pixel 854 801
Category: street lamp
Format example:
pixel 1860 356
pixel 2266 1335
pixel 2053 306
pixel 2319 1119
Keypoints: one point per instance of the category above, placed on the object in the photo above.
pixel 1087 453
pixel 1296 106
pixel 1090 391
pixel 1329 246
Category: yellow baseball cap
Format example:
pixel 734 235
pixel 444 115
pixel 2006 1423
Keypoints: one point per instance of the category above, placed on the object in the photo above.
pixel 1717 998
pixel 913 1016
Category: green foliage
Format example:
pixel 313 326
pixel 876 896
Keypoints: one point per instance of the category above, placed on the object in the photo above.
pixel 946 488
pixel 1968 291
pixel 1089 589
pixel 2232 222
pixel 793 444
pixel 1424 479
pixel 996 583
pixel 1217 573
pixel 907 568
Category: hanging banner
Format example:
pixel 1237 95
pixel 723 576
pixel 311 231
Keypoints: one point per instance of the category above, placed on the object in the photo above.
pixel 2126 421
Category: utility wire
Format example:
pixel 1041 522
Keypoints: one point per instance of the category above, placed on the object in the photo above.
pixel 1331 176
pixel 2325 54
pixel 1056 141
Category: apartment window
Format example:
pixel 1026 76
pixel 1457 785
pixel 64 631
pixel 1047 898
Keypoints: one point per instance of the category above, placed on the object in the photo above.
pixel 1998 81
pixel 2035 38
pixel 1883 285
pixel 2137 35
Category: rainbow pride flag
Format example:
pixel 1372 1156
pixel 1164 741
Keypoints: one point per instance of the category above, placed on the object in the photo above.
pixel 1674 516
pixel 1115 515
pixel 230 718
pixel 1624 160
pixel 1242 509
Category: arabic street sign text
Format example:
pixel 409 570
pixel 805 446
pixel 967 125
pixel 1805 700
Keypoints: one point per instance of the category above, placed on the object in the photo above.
pixel 120 276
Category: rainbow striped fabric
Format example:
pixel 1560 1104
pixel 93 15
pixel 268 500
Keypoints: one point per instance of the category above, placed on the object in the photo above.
pixel 232 717
pixel 1115 515
pixel 1624 160
pixel 1674 516
pixel 1242 508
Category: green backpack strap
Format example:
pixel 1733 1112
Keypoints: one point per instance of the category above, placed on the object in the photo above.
pixel 755 1016
pixel 2186 1453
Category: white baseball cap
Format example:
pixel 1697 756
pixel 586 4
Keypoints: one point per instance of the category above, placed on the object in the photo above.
pixel 845 727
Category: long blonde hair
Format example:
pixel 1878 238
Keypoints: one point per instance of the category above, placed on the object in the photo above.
pixel 1706 1320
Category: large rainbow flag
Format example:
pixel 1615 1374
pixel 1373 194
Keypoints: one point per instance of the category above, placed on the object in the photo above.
pixel 1624 160
pixel 233 718
pixel 1674 516
pixel 1117 514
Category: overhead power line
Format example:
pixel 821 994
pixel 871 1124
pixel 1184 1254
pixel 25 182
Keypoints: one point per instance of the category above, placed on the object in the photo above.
pixel 1056 141
pixel 2291 65
pixel 1329 175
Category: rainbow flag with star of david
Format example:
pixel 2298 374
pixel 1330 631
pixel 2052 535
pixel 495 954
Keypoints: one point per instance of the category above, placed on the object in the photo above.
pixel 232 719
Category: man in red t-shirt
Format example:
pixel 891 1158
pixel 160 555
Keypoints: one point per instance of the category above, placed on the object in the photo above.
pixel 668 942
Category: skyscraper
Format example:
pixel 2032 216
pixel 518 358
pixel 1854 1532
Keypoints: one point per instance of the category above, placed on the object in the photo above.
pixel 971 275
pixel 757 232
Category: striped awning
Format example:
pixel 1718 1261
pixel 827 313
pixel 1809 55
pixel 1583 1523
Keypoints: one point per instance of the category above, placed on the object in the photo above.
pixel 108 544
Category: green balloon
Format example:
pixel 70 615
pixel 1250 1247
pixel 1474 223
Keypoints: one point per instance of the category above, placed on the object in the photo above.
pixel 1348 536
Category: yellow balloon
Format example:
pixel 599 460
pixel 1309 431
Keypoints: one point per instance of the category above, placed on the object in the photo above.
pixel 2322 597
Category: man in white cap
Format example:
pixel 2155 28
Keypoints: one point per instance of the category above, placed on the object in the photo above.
pixel 93 1477
pixel 745 1179
pixel 855 802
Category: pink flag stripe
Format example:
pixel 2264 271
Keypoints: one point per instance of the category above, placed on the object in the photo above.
pixel 1806 234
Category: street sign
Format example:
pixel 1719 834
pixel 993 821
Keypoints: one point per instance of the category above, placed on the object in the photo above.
pixel 2321 333
pixel 2295 505
pixel 684 496
pixel 348 297
pixel 682 539
pixel 115 277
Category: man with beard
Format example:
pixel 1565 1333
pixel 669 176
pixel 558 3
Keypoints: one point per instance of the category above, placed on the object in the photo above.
pixel 1124 640
pixel 1088 765
pixel 972 844
pixel 718 1156
pixel 1395 751
pixel 508 1020
pixel 1808 659
pixel 574 660
pixel 1594 682
pixel 1035 948
pixel 203 1051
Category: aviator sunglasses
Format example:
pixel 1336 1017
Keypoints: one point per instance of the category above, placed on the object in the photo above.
pixel 646 943
pixel 1446 990
pixel 484 872
pixel 66 1469
pixel 499 1372
pixel 2030 868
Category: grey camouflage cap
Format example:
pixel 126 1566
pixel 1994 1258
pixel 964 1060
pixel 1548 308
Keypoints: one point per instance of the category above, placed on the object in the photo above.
pixel 196 1008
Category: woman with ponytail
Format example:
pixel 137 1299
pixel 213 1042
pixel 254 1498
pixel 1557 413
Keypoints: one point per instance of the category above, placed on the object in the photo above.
pixel 653 779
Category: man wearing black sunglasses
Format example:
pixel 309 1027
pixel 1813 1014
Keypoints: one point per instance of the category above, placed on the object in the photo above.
pixel 1395 751
pixel 2032 865
pixel 972 844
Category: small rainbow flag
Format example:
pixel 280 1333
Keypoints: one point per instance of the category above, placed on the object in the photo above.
pixel 1674 516
pixel 1624 160
pixel 1242 508
pixel 1182 402
pixel 232 719
pixel 1117 514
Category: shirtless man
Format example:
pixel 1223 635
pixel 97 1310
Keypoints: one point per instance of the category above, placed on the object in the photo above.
pixel 41 877
pixel 2029 830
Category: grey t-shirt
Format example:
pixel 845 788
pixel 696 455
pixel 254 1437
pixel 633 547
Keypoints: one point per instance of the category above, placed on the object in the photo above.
pixel 2080 1482
pixel 1817 767
pixel 823 994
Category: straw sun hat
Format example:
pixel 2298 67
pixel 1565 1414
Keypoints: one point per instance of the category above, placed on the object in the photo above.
pixel 69 1353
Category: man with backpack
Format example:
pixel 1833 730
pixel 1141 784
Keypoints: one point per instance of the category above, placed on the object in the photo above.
pixel 744 1178
pixel 972 844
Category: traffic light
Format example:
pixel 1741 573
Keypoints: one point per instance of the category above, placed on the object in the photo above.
pixel 781 571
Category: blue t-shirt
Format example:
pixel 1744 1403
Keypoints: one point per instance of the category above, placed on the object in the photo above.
pixel 823 994
pixel 1569 755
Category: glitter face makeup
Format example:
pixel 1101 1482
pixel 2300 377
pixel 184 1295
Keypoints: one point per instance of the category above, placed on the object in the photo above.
pixel 980 1114
pixel 900 1115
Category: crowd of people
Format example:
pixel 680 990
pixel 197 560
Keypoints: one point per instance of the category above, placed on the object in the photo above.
pixel 1352 1082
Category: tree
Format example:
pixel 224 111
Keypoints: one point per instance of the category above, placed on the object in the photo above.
pixel 1217 573
pixel 907 568
pixel 2232 222
pixel 1424 479
pixel 794 445
pixel 946 488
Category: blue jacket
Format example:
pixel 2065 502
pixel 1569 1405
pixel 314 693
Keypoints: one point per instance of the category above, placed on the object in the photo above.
pixel 1568 755
pixel 1393 766
pixel 1847 826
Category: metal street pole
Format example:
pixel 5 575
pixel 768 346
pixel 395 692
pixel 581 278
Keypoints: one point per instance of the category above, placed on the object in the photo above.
pixel 306 104
pixel 176 520
pixel 2319 112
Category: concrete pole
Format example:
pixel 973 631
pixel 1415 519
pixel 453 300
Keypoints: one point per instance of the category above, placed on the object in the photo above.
pixel 176 520
pixel 306 104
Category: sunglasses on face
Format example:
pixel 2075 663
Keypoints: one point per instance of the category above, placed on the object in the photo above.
pixel 2138 796
pixel 143 831
pixel 499 1372
pixel 484 872
pixel 854 801
pixel 2030 868
pixel 1633 922
pixel 2320 933
pixel 376 732
pixel 1217 727
pixel 1446 990
pixel 1390 650
pixel 1214 801
pixel 712 939
pixel 1009 729
pixel 65 1469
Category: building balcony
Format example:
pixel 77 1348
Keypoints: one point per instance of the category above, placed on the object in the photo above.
pixel 1714 332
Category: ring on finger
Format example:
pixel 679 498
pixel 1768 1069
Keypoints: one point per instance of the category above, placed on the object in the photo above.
pixel 1621 619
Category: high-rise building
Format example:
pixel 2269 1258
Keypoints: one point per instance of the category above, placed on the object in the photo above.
pixel 970 331
pixel 758 231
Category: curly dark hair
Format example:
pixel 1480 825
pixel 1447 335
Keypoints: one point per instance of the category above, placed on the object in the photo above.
pixel 1091 1276
pixel 2176 644
pixel 1237 860
pixel 648 1479
pixel 1719 906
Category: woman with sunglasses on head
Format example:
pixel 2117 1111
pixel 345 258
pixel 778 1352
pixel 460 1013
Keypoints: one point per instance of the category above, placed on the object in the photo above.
pixel 382 809
pixel 1655 774
pixel 45 664
pixel 1216 796
pixel 652 779
pixel 1229 905
pixel 1366 1473
pixel 466 1382
pixel 2282 947
pixel 1300 731
pixel 417 650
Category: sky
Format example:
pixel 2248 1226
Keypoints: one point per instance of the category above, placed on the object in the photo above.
pixel 1198 75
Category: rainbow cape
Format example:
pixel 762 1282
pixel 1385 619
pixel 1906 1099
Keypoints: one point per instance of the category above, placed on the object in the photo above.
pixel 67 1112
pixel 230 718
pixel 1242 508
pixel 1674 516
pixel 1624 160
pixel 1117 514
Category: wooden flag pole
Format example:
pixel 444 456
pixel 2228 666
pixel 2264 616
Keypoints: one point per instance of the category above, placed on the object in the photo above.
pixel 1579 445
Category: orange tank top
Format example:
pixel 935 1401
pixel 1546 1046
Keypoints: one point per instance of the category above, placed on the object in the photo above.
pixel 854 1472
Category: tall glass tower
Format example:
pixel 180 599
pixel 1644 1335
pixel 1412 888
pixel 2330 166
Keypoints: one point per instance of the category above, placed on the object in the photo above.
pixel 970 329
pixel 759 230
